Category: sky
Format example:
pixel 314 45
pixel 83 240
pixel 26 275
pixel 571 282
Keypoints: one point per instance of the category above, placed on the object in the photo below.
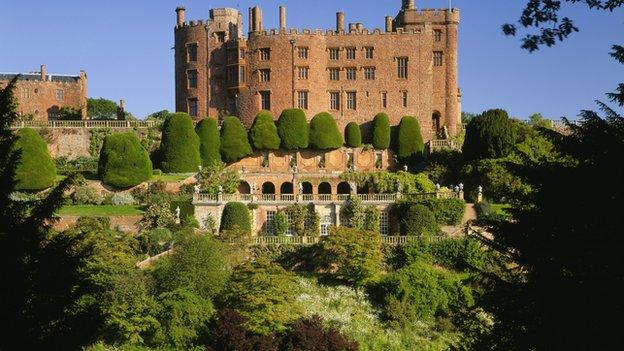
pixel 125 48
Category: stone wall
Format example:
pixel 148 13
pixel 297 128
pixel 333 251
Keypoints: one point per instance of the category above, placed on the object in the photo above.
pixel 126 224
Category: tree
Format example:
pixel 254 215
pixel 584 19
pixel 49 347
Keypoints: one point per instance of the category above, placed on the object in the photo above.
pixel 216 177
pixel 410 145
pixel 234 140
pixel 179 148
pixel 36 169
pixel 159 116
pixel 418 220
pixel 293 129
pixel 69 113
pixel 353 135
pixel 209 141
pixel 381 131
pixel 491 135
pixel 263 133
pixel 311 335
pixel 235 215
pixel 324 132
pixel 123 161
pixel 101 108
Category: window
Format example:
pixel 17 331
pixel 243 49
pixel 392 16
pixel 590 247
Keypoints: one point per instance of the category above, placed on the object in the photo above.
pixel 265 99
pixel 265 75
pixel 350 53
pixel 302 100
pixel 369 73
pixel 241 54
pixel 378 160
pixel 351 100
pixel 384 99
pixel 437 35
pixel 265 54
pixel 321 161
pixel 241 74
pixel 25 93
pixel 290 221
pixel 265 160
pixel 402 67
pixel 220 37
pixel 191 77
pixel 369 52
pixel 334 54
pixel 191 52
pixel 268 226
pixel 232 108
pixel 60 95
pixel 334 100
pixel 193 108
pixel 304 72
pixel 437 58
pixel 302 52
pixel 232 75
pixel 405 99
pixel 351 73
pixel 326 223
pixel 384 223
pixel 334 74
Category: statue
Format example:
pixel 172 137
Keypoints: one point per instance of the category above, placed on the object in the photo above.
pixel 197 188
pixel 300 188
pixel 461 187
pixel 220 190
pixel 405 168
pixel 438 187
pixel 177 212
pixel 399 186
pixel 445 133
pixel 480 189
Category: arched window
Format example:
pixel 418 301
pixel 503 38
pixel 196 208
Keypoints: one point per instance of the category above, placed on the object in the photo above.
pixel 436 122
pixel 244 188
pixel 344 188
pixel 268 188
pixel 287 188
pixel 306 187
pixel 324 188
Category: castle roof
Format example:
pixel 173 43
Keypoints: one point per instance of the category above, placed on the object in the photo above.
pixel 56 78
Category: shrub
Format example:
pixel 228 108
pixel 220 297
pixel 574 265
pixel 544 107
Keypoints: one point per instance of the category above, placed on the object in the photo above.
pixel 84 195
pixel 123 161
pixel 353 135
pixel 446 211
pixel 310 334
pixel 293 129
pixel 410 145
pixel 179 148
pixel 234 140
pixel 381 131
pixel 263 133
pixel 418 220
pixel 280 224
pixel 36 169
pixel 119 199
pixel 158 215
pixel 324 132
pixel 491 135
pixel 235 215
pixel 157 172
pixel 209 141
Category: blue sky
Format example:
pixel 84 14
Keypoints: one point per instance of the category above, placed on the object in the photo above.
pixel 125 47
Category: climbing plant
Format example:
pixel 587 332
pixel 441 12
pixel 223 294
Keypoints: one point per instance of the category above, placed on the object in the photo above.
pixel 356 215
pixel 96 139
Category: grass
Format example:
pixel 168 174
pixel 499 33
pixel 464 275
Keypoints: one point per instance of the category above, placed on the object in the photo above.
pixel 102 210
pixel 500 209
pixel 171 177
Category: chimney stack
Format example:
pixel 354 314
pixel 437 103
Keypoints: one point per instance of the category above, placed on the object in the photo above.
pixel 359 27
pixel 389 24
pixel 256 19
pixel 251 20
pixel 180 12
pixel 43 73
pixel 340 22
pixel 352 27
pixel 282 18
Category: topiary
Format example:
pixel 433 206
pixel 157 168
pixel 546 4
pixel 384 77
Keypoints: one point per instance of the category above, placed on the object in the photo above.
pixel 410 145
pixel 491 135
pixel 123 161
pixel 263 133
pixel 209 141
pixel 234 140
pixel 293 129
pixel 418 220
pixel 35 170
pixel 353 135
pixel 179 148
pixel 324 132
pixel 235 215
pixel 381 131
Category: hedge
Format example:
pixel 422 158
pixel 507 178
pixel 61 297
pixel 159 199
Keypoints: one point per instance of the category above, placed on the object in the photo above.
pixel 123 161
pixel 263 133
pixel 179 148
pixel 209 141
pixel 324 132
pixel 417 219
pixel 381 131
pixel 36 170
pixel 353 135
pixel 235 215
pixel 446 211
pixel 234 140
pixel 410 145
pixel 490 135
pixel 293 129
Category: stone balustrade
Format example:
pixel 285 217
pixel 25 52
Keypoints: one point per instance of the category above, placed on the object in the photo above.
pixel 89 124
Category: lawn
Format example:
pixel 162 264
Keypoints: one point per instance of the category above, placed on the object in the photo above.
pixel 103 210
pixel 171 177
pixel 500 209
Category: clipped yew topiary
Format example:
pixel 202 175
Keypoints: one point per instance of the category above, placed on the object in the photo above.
pixel 381 131
pixel 36 169
pixel 234 140
pixel 418 220
pixel 490 135
pixel 123 161
pixel 235 215
pixel 353 135
pixel 263 133
pixel 209 141
pixel 293 129
pixel 179 147
pixel 324 132
pixel 410 145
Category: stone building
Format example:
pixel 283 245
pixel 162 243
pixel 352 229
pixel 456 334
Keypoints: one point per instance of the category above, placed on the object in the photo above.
pixel 408 68
pixel 41 95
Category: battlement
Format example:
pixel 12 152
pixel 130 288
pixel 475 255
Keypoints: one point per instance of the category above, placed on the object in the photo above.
pixel 332 33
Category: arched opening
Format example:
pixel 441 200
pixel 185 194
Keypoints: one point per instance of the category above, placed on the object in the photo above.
pixel 244 188
pixel 436 122
pixel 364 189
pixel 287 188
pixel 324 188
pixel 344 188
pixel 268 188
pixel 306 188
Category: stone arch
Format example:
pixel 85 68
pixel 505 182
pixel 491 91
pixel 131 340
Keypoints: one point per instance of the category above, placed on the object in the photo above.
pixel 344 188
pixel 436 121
pixel 324 188
pixel 287 188
pixel 306 187
pixel 268 188
pixel 244 188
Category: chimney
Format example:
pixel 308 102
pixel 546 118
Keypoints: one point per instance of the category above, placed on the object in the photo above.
pixel 43 73
pixel 359 27
pixel 352 27
pixel 121 110
pixel 251 20
pixel 282 18
pixel 340 22
pixel 388 24
pixel 257 19
pixel 180 12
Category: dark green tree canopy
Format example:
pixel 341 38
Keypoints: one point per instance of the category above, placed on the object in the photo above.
pixel 235 215
pixel 263 132
pixel 123 161
pixel 179 148
pixel 491 135
pixel 381 131
pixel 209 141
pixel 293 129
pixel 101 109
pixel 410 145
pixel 324 132
pixel 353 135
pixel 234 140
pixel 36 169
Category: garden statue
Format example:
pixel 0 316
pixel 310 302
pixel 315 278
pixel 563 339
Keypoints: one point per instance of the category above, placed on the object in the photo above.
pixel 438 187
pixel 300 188
pixel 399 186
pixel 220 190
pixel 177 212
pixel 405 168
pixel 197 188
pixel 461 187
pixel 480 189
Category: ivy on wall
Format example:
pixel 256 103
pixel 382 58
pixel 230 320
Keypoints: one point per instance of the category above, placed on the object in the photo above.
pixel 356 215
pixel 96 139
pixel 305 220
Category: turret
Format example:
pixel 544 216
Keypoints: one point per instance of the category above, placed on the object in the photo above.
pixel 389 24
pixel 282 18
pixel 43 73
pixel 255 19
pixel 340 22
pixel 180 15
pixel 408 5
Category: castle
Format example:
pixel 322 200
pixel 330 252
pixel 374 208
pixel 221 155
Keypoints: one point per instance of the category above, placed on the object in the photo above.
pixel 409 68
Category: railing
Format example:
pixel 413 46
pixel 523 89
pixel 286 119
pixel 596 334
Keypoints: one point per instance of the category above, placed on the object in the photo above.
pixel 311 240
pixel 199 199
pixel 83 124
pixel 443 144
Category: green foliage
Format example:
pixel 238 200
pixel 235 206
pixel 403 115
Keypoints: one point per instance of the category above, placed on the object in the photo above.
pixel 179 148
pixel 305 220
pixel 293 129
pixel 234 140
pixel 410 145
pixel 101 109
pixel 36 169
pixel 78 165
pixel 387 182
pixel 69 114
pixel 280 224
pixel 158 116
pixel 85 195
pixel 96 140
pixel 263 133
pixel 446 211
pixel 418 220
pixel 215 175
pixel 353 135
pixel 443 167
pixel 123 161
pixel 491 135
pixel 381 131
pixel 158 215
pixel 457 254
pixel 235 215
pixel 497 179
pixel 209 141
pixel 358 216
pixel 324 134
